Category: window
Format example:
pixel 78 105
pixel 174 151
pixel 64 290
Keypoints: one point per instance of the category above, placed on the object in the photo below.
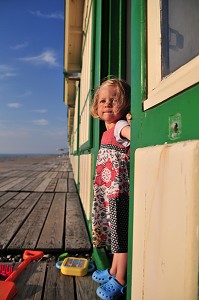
pixel 173 48
pixel 180 38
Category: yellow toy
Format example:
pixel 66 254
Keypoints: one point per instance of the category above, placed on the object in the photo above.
pixel 74 266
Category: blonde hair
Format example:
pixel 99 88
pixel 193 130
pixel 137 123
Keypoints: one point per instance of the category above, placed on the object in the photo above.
pixel 123 90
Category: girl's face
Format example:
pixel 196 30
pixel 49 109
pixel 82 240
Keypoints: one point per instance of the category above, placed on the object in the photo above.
pixel 108 106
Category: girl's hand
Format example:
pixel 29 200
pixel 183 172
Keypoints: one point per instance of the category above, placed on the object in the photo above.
pixel 129 118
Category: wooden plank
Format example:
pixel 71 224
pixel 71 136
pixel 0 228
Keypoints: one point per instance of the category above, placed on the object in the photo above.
pixel 43 168
pixel 4 213
pixel 19 173
pixel 14 173
pixel 30 187
pixel 71 186
pixel 21 185
pixel 41 174
pixel 59 175
pixel 21 195
pixel 61 185
pixel 43 185
pixel 5 180
pixel 52 185
pixel 11 184
pixel 60 167
pixel 13 222
pixel 70 175
pixel 15 201
pixel 58 286
pixel 6 173
pixel 64 175
pixel 32 173
pixel 52 174
pixel 77 238
pixel 28 235
pixel 31 281
pixel 86 288
pixel 6 197
pixel 53 231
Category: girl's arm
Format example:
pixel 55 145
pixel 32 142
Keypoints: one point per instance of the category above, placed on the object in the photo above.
pixel 125 132
pixel 122 133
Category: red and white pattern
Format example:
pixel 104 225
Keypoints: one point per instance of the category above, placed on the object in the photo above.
pixel 111 194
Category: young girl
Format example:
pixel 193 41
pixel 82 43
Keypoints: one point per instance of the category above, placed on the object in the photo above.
pixel 111 186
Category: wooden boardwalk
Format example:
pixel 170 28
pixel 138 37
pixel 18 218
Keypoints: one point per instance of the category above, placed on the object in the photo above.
pixel 40 209
pixel 39 206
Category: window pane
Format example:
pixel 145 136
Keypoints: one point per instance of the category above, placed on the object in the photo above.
pixel 180 37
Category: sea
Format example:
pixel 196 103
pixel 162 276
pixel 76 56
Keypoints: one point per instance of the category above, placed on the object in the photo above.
pixel 25 154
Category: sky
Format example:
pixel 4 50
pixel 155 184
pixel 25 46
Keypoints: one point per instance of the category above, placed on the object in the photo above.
pixel 33 116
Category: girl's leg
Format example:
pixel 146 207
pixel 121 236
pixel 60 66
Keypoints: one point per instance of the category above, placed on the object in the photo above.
pixel 119 266
pixel 113 269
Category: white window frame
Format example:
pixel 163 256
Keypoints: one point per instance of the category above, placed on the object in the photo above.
pixel 86 74
pixel 160 89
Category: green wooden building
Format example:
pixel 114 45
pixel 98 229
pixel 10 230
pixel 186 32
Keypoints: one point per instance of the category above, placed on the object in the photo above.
pixel 154 45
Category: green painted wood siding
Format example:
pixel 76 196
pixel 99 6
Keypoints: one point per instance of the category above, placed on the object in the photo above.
pixel 154 126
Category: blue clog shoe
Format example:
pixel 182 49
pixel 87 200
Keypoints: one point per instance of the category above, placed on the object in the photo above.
pixel 111 290
pixel 102 276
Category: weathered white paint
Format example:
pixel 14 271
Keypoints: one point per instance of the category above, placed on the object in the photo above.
pixel 73 35
pixel 70 121
pixel 85 182
pixel 74 163
pixel 166 219
pixel 76 120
